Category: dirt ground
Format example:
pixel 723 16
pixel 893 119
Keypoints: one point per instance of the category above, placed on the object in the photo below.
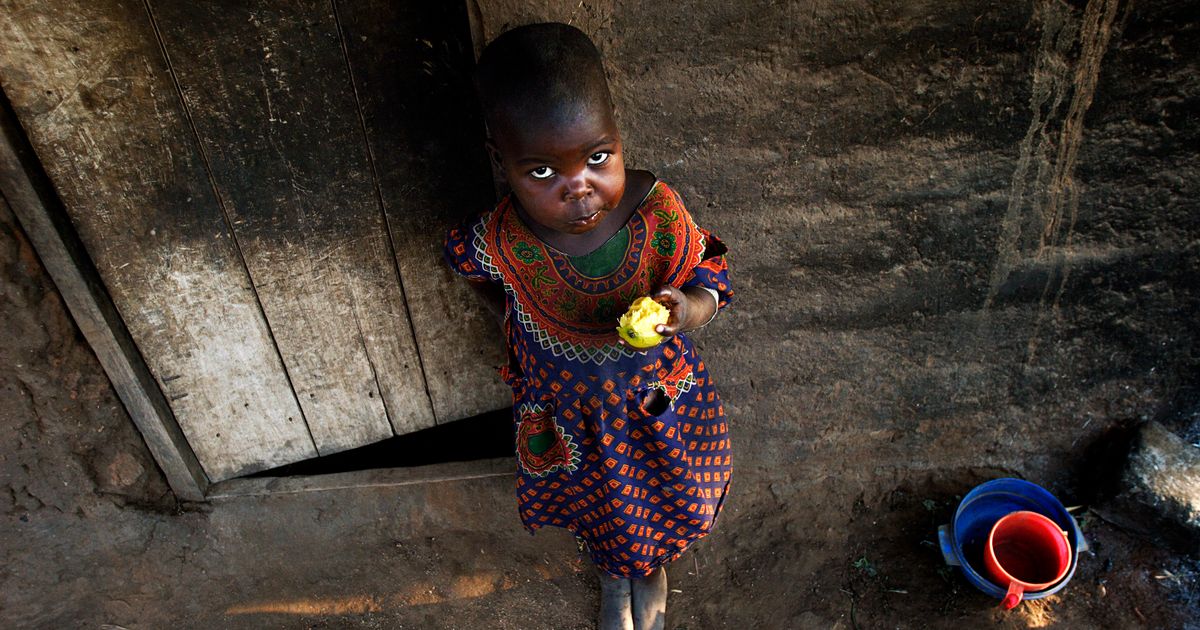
pixel 964 240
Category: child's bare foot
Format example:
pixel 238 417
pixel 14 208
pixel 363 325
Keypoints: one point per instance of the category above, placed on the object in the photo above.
pixel 650 601
pixel 615 607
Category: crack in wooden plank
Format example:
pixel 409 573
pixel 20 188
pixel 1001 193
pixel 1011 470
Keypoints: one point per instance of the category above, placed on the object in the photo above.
pixel 337 20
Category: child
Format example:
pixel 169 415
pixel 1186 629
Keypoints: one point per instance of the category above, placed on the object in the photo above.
pixel 627 449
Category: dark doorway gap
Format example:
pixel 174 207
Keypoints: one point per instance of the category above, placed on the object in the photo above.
pixel 485 436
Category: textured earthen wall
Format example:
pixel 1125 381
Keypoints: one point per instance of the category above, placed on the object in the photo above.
pixel 66 436
pixel 963 234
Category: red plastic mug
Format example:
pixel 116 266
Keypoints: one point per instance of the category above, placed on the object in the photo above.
pixel 1027 552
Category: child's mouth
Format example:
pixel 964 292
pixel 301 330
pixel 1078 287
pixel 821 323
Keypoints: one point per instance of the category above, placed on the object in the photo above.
pixel 586 219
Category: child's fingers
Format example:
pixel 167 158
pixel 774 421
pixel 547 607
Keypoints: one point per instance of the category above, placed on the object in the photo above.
pixel 664 296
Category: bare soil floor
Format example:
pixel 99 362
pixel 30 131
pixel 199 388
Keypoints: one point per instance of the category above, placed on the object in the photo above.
pixel 818 555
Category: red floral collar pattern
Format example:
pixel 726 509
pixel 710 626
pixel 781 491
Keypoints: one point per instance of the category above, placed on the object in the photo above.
pixel 568 313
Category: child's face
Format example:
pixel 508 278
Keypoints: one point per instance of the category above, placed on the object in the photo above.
pixel 568 175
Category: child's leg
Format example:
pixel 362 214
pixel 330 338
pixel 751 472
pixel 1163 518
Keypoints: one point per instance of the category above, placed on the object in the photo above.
pixel 650 601
pixel 615 608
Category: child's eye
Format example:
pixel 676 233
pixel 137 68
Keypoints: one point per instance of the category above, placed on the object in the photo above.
pixel 542 172
pixel 597 159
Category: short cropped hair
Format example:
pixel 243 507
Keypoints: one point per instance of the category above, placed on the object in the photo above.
pixel 540 70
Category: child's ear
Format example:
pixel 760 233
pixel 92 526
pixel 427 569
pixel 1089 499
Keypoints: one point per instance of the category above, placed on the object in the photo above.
pixel 494 156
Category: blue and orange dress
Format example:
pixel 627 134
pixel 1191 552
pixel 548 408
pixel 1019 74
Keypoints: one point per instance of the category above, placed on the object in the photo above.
pixel 636 486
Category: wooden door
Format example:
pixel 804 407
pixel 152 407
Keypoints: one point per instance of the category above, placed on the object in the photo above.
pixel 263 186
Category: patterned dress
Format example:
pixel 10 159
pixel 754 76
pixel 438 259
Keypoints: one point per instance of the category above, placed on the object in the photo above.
pixel 637 487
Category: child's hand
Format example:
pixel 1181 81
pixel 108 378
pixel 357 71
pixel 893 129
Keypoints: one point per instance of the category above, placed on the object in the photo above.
pixel 677 303
pixel 690 307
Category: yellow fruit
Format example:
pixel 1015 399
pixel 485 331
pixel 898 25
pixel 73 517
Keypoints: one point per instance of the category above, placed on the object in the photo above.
pixel 636 326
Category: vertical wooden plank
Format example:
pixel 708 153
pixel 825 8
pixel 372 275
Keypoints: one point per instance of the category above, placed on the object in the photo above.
pixel 268 89
pixel 411 63
pixel 27 191
pixel 90 87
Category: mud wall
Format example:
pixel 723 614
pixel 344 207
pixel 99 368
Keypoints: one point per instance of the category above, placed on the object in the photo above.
pixel 962 234
pixel 68 443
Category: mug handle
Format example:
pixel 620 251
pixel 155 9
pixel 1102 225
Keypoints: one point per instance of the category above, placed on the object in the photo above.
pixel 1013 596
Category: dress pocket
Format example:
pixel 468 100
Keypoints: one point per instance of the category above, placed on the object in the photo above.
pixel 543 446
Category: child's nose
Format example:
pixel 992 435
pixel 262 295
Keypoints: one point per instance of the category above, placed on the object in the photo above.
pixel 577 186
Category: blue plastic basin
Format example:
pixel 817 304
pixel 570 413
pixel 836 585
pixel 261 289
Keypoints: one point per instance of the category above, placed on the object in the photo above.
pixel 963 540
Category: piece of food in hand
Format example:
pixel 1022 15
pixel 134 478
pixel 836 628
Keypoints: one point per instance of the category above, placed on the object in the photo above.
pixel 637 325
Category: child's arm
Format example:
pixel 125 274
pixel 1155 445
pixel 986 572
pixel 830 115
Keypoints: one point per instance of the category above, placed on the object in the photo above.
pixel 493 297
pixel 461 255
